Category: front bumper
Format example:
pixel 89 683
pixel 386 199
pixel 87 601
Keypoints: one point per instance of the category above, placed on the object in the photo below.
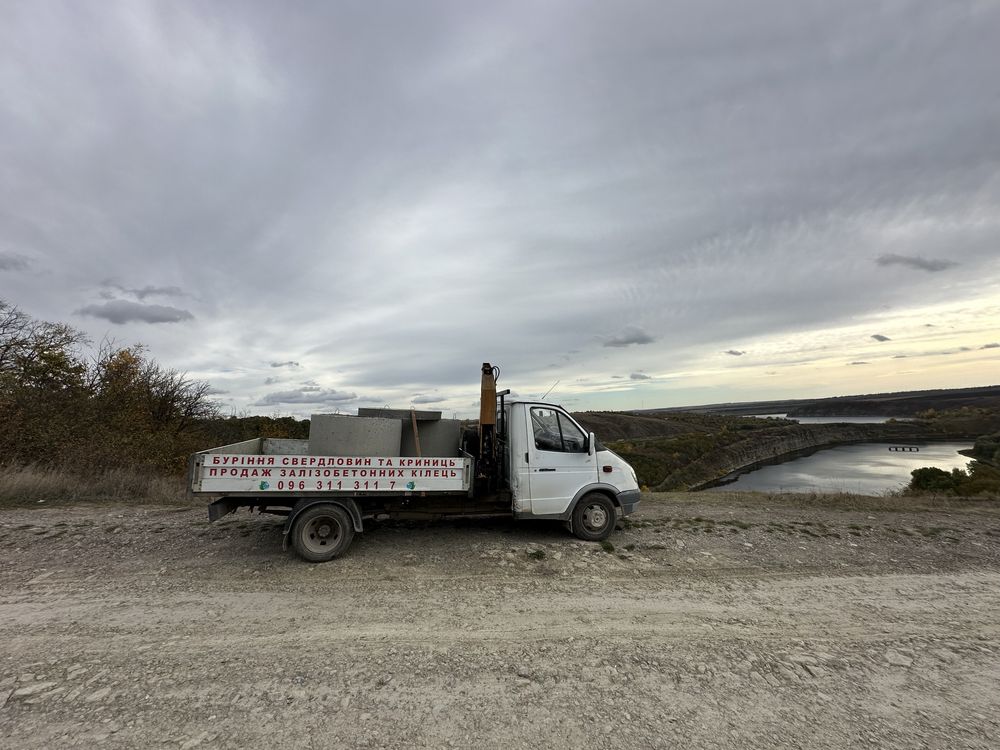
pixel 629 500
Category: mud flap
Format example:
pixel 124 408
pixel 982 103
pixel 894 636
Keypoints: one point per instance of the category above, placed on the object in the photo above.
pixel 221 508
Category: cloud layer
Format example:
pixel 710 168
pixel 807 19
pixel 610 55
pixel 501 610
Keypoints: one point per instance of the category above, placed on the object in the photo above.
pixel 382 201
pixel 124 311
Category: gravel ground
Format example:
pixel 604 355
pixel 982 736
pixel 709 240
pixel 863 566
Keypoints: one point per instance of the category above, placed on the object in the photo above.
pixel 714 622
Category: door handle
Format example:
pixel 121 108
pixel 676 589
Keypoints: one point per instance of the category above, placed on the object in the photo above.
pixel 546 469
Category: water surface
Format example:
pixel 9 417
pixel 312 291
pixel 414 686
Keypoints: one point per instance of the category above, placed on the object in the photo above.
pixel 830 420
pixel 865 469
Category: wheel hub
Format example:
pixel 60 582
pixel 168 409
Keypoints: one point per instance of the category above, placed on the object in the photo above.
pixel 321 533
pixel 595 517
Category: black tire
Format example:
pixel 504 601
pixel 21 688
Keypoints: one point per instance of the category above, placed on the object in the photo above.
pixel 322 532
pixel 594 517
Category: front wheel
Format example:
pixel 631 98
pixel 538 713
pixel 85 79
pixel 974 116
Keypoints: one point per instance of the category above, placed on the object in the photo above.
pixel 594 517
pixel 322 532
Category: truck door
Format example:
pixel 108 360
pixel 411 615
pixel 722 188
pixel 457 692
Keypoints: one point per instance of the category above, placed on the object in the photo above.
pixel 560 462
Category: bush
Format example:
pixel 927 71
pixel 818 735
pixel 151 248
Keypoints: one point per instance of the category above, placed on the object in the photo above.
pixel 932 479
pixel 979 479
pixel 987 448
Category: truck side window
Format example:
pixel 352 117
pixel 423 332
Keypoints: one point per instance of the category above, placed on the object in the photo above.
pixel 573 439
pixel 554 432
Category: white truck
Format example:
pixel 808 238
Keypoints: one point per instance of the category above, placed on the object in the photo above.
pixel 526 458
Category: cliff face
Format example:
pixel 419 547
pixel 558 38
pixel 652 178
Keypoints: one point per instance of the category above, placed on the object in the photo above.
pixel 767 445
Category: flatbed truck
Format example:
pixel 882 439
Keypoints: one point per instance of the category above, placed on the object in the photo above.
pixel 529 459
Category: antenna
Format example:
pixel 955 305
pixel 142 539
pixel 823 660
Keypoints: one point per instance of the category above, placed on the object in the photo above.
pixel 550 389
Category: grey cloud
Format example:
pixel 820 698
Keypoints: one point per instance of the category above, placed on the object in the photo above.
pixel 289 363
pixel 157 291
pixel 428 399
pixel 629 336
pixel 122 311
pixel 880 337
pixel 993 345
pixel 143 292
pixel 933 353
pixel 306 395
pixel 922 264
pixel 860 362
pixel 13 262
pixel 617 377
pixel 639 376
pixel 271 381
pixel 734 352
pixel 213 391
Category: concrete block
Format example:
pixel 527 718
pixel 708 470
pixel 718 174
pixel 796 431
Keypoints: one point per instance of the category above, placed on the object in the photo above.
pixel 403 414
pixel 285 447
pixel 343 435
pixel 438 438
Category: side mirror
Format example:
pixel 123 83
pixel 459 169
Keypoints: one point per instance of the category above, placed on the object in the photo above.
pixel 591 444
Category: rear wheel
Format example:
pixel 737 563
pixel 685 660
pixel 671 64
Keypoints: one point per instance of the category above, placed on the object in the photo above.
pixel 322 532
pixel 594 517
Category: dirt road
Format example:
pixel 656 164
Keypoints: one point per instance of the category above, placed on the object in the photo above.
pixel 715 622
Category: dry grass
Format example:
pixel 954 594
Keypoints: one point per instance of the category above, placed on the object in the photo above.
pixel 31 485
pixel 832 501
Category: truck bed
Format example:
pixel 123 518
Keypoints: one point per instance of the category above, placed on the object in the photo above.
pixel 269 466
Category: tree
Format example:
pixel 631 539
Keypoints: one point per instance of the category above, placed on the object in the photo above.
pixel 42 386
pixel 119 407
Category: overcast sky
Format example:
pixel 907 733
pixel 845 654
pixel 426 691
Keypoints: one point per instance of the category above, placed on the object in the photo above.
pixel 320 206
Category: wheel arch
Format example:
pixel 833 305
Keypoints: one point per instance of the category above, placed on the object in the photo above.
pixel 599 487
pixel 347 503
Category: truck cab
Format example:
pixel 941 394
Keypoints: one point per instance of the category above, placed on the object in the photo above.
pixel 555 464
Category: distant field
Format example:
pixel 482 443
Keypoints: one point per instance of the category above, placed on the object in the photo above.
pixel 898 404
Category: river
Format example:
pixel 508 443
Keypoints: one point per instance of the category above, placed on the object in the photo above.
pixel 864 468
pixel 830 420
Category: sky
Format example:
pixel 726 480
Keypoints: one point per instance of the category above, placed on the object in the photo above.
pixel 320 206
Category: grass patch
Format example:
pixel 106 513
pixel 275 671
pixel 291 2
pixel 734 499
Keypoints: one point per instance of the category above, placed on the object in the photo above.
pixel 34 485
pixel 737 524
pixel 607 546
pixel 932 531
pixel 826 501
pixel 537 554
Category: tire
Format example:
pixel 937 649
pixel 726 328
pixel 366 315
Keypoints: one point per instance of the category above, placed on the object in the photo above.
pixel 322 532
pixel 594 517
